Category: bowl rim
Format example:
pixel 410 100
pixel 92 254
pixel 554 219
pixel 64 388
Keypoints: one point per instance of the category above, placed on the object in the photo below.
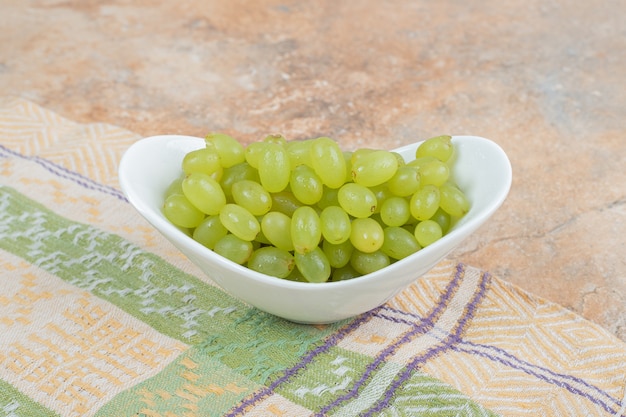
pixel 156 218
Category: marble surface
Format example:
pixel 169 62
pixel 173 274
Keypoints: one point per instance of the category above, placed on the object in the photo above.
pixel 544 79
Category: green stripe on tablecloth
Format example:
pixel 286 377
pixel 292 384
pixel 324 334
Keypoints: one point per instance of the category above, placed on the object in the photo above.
pixel 142 284
pixel 14 404
pixel 262 346
pixel 194 384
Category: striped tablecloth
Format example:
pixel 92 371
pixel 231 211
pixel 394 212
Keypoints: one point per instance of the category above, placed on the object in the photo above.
pixel 99 316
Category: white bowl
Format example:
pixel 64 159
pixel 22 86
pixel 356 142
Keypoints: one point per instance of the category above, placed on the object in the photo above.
pixel 481 169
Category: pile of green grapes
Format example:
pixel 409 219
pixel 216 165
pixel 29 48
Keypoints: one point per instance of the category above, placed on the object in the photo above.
pixel 308 211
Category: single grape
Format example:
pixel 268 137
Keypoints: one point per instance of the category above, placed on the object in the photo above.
pixel 276 139
pixel 299 152
pixel 425 202
pixel 285 202
pixel 336 224
pixel 205 161
pixel 399 243
pixel 374 168
pixel 306 230
pixel 276 227
pixel 338 254
pixel 253 153
pixel 230 151
pixel 179 210
pixel 252 196
pixel 240 222
pixel 357 200
pixel 233 248
pixel 209 231
pixel 344 273
pixel 274 168
pixel 428 232
pixel 328 162
pixel 204 192
pixel 443 219
pixel 431 170
pixel 272 261
pixel 453 201
pixel 306 185
pixel 366 263
pixel 235 173
pixel 313 265
pixel 329 198
pixel 366 235
pixel 405 181
pixel 175 187
pixel 439 147
pixel 395 211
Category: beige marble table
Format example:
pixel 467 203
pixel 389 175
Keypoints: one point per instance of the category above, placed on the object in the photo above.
pixel 546 80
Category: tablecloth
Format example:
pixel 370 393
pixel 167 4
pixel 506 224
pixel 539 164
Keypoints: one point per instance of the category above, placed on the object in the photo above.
pixel 100 316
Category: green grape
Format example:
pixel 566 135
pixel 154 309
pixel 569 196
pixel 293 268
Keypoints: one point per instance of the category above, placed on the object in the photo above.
pixel 276 227
pixel 344 273
pixel 431 170
pixel 205 161
pixel 299 152
pixel 357 200
pixel 306 185
pixel 359 153
pixel 395 211
pixel 335 224
pixel 366 263
pixel 252 196
pixel 439 147
pixel 276 139
pixel 285 202
pixel 240 222
pixel 453 201
pixel 382 193
pixel 274 168
pixel 328 162
pixel 374 168
pixel 230 151
pixel 204 192
pixel 235 173
pixel 366 235
pixel 306 230
pixel 443 219
pixel 179 210
pixel 399 243
pixel 260 238
pixel 253 153
pixel 296 275
pixel 425 202
pixel 313 265
pixel 233 248
pixel 405 181
pixel 399 158
pixel 329 198
pixel 427 232
pixel 272 261
pixel 338 254
pixel 175 187
pixel 347 157
pixel 209 231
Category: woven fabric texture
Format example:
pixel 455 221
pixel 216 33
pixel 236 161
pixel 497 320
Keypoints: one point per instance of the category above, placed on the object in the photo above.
pixel 100 316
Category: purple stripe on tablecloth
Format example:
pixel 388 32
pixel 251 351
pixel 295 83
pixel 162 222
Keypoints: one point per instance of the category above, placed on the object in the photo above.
pixel 306 359
pixel 421 327
pixel 335 338
pixel 67 174
pixel 452 339
pixel 561 380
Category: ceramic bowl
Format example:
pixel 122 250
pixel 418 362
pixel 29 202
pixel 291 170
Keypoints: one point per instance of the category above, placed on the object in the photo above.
pixel 481 169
